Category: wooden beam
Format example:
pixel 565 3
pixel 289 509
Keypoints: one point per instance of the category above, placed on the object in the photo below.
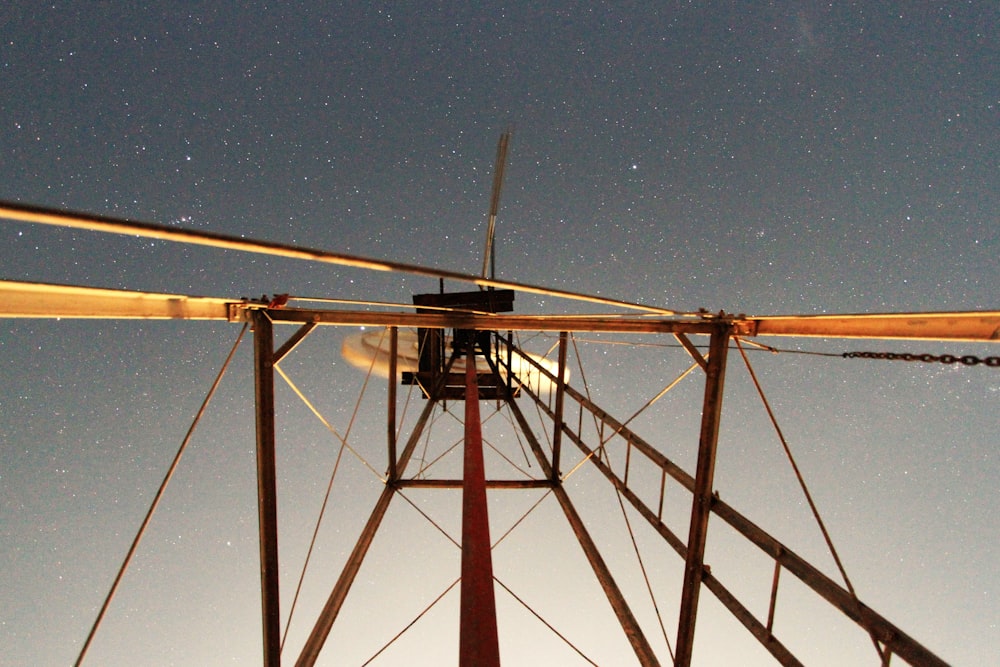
pixel 41 300
pixel 968 326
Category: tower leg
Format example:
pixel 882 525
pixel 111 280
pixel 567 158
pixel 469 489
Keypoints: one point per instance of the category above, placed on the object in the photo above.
pixel 701 504
pixel 267 505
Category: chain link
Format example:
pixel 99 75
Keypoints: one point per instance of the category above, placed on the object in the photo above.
pixel 965 360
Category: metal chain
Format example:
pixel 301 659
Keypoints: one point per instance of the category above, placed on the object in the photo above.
pixel 966 360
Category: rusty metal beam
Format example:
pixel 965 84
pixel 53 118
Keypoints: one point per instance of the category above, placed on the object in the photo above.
pixel 760 631
pixel 391 403
pixel 692 350
pixel 493 322
pixel 267 506
pixel 293 341
pixel 428 483
pixel 983 327
pixel 701 504
pixel 560 399
pixel 636 637
pixel 321 630
pixel 613 424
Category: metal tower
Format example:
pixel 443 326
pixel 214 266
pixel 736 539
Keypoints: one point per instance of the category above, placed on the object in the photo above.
pixel 468 352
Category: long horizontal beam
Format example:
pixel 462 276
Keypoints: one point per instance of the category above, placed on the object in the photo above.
pixel 490 483
pixel 981 326
pixel 492 322
pixel 40 300
pixel 971 326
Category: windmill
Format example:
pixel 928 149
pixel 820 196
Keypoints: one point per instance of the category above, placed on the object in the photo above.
pixel 477 331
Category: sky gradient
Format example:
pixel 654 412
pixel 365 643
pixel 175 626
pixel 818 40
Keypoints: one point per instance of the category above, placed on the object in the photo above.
pixel 761 157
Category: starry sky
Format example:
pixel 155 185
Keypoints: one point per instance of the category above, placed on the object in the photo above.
pixel 757 157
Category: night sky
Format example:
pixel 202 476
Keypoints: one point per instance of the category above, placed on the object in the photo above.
pixel 758 157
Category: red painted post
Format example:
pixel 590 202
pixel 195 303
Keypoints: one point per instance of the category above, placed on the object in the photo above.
pixel 478 643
